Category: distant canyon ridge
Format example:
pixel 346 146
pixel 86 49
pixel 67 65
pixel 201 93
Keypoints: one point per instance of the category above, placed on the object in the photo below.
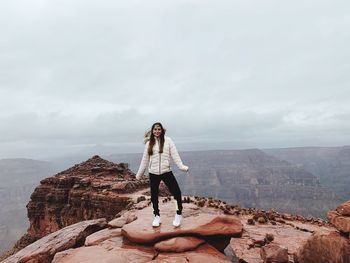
pixel 309 181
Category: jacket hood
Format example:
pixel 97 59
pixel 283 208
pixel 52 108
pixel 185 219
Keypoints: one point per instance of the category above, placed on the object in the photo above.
pixel 147 135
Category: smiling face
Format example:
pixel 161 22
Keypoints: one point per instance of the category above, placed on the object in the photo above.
pixel 157 131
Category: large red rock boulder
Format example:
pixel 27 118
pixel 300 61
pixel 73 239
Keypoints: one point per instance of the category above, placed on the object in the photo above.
pixel 217 230
pixel 325 248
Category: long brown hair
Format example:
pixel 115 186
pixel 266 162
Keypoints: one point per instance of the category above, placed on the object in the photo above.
pixel 152 140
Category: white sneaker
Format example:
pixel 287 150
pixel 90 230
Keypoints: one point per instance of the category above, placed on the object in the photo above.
pixel 156 221
pixel 177 220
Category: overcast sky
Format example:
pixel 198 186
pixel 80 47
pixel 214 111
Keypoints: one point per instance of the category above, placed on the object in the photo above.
pixel 92 76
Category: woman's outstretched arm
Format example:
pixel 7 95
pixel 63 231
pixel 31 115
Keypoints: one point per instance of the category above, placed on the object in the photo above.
pixel 144 163
pixel 176 157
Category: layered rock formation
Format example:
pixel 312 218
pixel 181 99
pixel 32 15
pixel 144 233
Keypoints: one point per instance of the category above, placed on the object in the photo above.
pixel 86 191
pixel 330 164
pixel 248 178
pixel 92 189
pixel 97 212
pixel 252 178
pixel 211 231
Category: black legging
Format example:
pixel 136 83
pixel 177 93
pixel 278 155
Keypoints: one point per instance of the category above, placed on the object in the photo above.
pixel 170 181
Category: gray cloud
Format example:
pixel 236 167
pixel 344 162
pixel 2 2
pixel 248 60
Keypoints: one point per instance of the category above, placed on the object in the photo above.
pixel 228 74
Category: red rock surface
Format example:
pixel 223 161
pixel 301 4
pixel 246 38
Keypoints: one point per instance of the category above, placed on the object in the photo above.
pixel 274 253
pixel 43 250
pixel 203 254
pixel 342 223
pixel 291 234
pixel 179 244
pixel 205 225
pixel 122 249
pixel 102 235
pixel 125 218
pixel 344 209
pixel 95 254
pixel 92 189
pixel 98 187
pixel 112 247
pixel 325 248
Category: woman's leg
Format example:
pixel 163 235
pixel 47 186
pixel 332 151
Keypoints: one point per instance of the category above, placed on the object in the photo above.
pixel 154 181
pixel 170 181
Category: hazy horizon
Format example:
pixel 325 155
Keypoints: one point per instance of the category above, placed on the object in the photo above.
pixel 81 155
pixel 81 76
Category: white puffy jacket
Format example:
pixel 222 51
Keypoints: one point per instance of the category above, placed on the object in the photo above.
pixel 159 163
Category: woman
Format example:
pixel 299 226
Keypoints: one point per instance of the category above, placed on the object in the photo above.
pixel 158 150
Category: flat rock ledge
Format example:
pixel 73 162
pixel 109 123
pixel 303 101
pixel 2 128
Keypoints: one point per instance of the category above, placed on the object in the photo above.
pixel 216 230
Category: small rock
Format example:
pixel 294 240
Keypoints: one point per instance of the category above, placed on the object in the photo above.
pixel 126 218
pixel 261 220
pixel 274 253
pixel 102 235
pixel 269 238
pixel 344 209
pixel 140 198
pixel 250 221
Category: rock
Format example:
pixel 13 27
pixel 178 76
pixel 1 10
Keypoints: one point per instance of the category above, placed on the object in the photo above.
pixel 342 223
pixel 102 235
pixel 250 221
pixel 125 218
pixel 96 169
pixel 215 229
pixel 259 241
pixel 287 216
pixel 203 254
pixel 327 248
pixel 261 220
pixel 117 223
pixel 344 209
pixel 179 244
pixel 43 250
pixel 85 191
pixel 269 238
pixel 142 204
pixel 140 198
pixel 96 254
pixel 274 253
pixel 284 235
